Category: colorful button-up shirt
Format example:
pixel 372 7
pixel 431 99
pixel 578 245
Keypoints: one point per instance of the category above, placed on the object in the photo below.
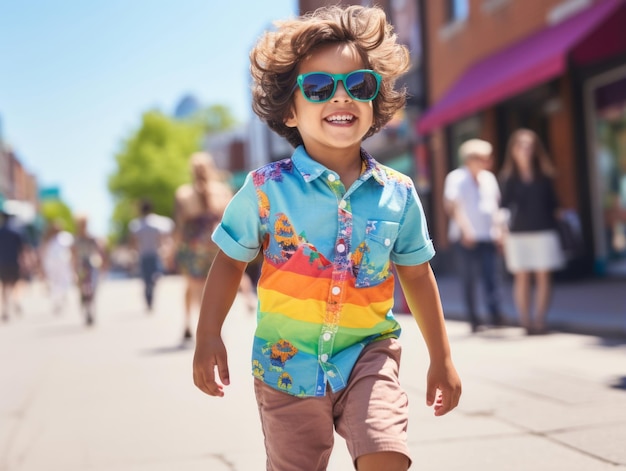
pixel 326 285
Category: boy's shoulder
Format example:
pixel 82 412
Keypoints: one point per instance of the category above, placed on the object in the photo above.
pixel 272 171
pixel 282 164
pixel 276 171
pixel 386 173
pixel 395 175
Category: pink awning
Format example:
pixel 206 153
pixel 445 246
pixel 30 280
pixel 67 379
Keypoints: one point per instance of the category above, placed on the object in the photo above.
pixel 528 63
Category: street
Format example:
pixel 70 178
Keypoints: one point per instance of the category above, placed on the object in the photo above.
pixel 119 396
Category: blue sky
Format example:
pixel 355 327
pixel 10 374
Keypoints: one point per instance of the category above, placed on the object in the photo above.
pixel 77 75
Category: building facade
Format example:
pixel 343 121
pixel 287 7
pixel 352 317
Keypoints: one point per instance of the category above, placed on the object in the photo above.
pixel 557 67
pixel 18 187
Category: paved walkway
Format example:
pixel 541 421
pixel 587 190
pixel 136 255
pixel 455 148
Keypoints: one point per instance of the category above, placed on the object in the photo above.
pixel 119 396
pixel 592 306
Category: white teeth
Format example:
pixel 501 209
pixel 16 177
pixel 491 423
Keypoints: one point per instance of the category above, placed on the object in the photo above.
pixel 338 118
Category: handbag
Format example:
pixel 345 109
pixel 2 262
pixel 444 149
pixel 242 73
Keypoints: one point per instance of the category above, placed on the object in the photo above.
pixel 570 235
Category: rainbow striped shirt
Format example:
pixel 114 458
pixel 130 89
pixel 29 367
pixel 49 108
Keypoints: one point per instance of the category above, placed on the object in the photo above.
pixel 326 284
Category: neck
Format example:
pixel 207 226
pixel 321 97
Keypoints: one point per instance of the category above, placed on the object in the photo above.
pixel 344 162
pixel 474 172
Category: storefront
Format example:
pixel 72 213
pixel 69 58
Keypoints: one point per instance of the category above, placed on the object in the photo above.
pixel 605 112
pixel 566 82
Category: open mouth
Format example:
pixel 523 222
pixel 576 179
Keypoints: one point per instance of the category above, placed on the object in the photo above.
pixel 341 119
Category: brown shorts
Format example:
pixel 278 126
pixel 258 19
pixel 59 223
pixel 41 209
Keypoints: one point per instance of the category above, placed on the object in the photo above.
pixel 371 413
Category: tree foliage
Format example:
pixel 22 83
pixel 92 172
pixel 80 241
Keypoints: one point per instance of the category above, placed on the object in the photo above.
pixel 214 118
pixel 55 210
pixel 154 161
pixel 151 164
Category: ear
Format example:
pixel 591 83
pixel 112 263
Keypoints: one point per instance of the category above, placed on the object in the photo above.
pixel 291 121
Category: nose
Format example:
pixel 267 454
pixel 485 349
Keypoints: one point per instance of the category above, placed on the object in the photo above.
pixel 340 93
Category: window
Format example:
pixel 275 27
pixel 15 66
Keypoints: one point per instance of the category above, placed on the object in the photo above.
pixel 456 10
pixel 490 6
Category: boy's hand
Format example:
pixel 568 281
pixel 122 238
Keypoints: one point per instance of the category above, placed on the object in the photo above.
pixel 210 354
pixel 443 388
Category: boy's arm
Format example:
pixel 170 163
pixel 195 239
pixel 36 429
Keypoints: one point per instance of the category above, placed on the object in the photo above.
pixel 422 296
pixel 219 293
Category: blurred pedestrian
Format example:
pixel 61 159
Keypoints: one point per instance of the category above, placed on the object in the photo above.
pixel 28 259
pixel 472 199
pixel 330 221
pixel 532 248
pixel 11 262
pixel 57 265
pixel 89 259
pixel 199 208
pixel 149 234
pixel 30 266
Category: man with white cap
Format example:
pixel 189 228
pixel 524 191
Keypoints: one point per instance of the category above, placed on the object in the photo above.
pixel 471 199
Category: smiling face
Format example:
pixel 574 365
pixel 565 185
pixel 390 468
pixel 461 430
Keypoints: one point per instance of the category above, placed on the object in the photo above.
pixel 333 129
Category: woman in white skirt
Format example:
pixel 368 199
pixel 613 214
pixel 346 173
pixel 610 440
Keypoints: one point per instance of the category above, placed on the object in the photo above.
pixel 532 250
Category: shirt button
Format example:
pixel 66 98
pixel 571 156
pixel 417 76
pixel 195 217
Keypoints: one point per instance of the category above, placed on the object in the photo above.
pixel 343 204
pixel 326 336
pixel 336 290
pixel 331 177
pixel 387 242
pixel 324 357
pixel 341 248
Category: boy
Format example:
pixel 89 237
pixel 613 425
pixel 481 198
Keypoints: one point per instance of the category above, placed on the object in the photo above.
pixel 329 220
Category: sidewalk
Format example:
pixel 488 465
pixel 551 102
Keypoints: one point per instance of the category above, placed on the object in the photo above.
pixel 119 396
pixel 590 306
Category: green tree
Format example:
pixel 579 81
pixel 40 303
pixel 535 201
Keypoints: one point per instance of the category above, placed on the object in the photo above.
pixel 150 165
pixel 56 210
pixel 214 118
pixel 154 161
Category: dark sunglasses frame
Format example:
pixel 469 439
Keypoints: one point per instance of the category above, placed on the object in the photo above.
pixel 336 78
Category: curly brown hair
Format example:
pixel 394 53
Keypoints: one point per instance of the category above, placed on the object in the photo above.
pixel 275 61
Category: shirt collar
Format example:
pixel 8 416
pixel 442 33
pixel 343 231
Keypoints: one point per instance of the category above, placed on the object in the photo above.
pixel 311 169
pixel 372 168
pixel 308 168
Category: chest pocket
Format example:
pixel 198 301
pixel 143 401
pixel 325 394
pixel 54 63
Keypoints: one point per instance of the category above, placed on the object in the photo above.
pixel 371 258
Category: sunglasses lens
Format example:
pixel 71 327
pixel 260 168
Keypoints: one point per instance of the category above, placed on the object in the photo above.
pixel 362 85
pixel 318 87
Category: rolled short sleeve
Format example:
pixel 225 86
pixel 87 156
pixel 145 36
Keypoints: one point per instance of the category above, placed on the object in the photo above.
pixel 413 245
pixel 239 233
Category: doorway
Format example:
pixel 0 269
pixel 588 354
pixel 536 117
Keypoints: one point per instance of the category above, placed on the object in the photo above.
pixel 605 113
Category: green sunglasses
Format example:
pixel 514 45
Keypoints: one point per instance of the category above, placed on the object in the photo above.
pixel 319 87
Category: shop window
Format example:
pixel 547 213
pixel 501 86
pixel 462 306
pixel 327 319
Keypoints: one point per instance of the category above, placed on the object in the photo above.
pixel 461 131
pixel 491 6
pixel 607 103
pixel 456 10
pixel 456 13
